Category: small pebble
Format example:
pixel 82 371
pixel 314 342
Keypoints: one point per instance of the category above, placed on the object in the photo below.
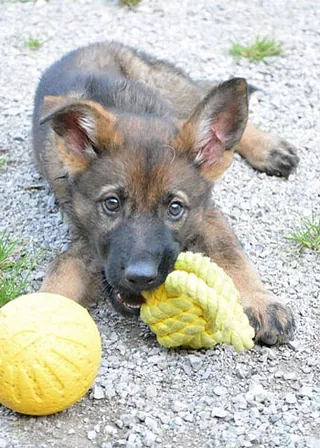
pixel 149 439
pixel 151 424
pixel 219 412
pixel 98 392
pixel 195 361
pixel 220 390
pixel 165 419
pixel 290 376
pixel 291 398
pixel 306 391
pixel 108 429
pixel 128 420
pixel 91 435
pixel 178 406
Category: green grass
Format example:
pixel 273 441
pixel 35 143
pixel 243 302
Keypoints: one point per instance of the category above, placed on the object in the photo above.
pixel 256 52
pixel 130 3
pixel 307 235
pixel 14 267
pixel 33 44
pixel 3 162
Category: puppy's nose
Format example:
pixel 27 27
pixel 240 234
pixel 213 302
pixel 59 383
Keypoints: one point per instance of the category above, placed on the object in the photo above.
pixel 141 275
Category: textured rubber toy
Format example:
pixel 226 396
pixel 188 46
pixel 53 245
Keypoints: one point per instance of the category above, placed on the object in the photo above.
pixel 50 352
pixel 198 306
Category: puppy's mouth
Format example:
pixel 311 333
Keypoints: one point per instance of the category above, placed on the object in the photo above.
pixel 127 304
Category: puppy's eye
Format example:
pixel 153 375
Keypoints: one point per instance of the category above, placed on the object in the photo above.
pixel 175 210
pixel 111 205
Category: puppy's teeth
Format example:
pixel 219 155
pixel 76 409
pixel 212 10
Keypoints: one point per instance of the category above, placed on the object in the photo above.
pixel 134 306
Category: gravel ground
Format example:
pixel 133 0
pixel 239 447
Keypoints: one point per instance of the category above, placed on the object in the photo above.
pixel 144 394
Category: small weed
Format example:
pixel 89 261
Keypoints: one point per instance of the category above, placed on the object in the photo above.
pixel 307 235
pixel 33 44
pixel 13 270
pixel 261 49
pixel 129 3
pixel 3 162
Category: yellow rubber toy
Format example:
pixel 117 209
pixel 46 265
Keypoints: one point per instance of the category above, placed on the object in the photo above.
pixel 50 352
pixel 198 306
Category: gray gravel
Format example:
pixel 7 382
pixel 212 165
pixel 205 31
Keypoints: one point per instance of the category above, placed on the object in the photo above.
pixel 145 395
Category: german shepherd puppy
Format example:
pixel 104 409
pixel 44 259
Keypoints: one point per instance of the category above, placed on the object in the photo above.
pixel 131 147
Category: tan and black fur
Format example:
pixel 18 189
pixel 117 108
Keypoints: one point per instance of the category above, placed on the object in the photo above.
pixel 131 147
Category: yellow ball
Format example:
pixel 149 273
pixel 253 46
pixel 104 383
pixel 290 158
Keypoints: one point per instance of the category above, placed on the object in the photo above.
pixel 50 352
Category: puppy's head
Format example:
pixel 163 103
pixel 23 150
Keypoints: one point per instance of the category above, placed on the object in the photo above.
pixel 140 185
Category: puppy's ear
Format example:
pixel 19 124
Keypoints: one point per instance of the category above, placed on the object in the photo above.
pixel 84 129
pixel 215 127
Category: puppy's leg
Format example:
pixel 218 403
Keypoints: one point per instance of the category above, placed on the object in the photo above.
pixel 74 274
pixel 272 321
pixel 267 153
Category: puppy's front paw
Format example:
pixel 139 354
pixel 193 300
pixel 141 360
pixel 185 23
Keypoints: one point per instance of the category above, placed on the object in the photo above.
pixel 272 322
